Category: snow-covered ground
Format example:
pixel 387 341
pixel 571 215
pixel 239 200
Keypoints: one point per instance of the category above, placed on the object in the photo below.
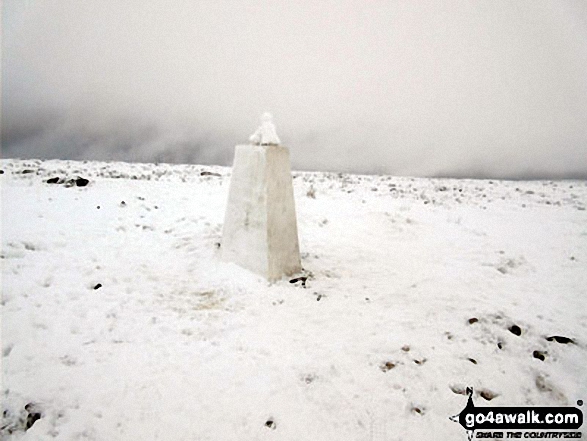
pixel 120 321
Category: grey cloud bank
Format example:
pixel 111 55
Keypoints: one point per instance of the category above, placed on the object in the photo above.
pixel 478 89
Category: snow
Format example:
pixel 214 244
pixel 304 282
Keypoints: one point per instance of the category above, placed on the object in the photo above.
pixel 266 133
pixel 378 345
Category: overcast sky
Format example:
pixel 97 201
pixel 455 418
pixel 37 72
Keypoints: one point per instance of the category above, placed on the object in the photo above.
pixel 486 88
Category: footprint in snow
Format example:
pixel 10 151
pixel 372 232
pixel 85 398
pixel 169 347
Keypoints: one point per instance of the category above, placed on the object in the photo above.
pixel 486 394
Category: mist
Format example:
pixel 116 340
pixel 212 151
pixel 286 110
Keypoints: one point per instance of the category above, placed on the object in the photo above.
pixel 455 88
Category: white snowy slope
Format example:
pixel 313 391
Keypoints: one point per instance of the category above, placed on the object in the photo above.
pixel 120 321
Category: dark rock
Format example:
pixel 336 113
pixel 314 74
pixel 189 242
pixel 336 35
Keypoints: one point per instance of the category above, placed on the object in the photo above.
pixel 98 286
pixel 539 355
pixel 54 180
pixel 207 173
pixel 81 182
pixel 299 279
pixel 270 424
pixel 31 407
pixel 560 339
pixel 473 320
pixel 500 345
pixel 1 172
pixel 387 366
pixel 31 419
pixel 27 171
pixel 34 414
pixel 472 360
pixel 515 329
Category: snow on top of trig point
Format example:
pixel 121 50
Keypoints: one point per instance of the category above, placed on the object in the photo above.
pixel 265 134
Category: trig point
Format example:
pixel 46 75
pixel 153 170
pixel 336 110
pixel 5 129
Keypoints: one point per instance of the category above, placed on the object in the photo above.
pixel 260 228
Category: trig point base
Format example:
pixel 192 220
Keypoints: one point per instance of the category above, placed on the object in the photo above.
pixel 260 228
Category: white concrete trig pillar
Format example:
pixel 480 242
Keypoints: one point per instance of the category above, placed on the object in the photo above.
pixel 260 229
